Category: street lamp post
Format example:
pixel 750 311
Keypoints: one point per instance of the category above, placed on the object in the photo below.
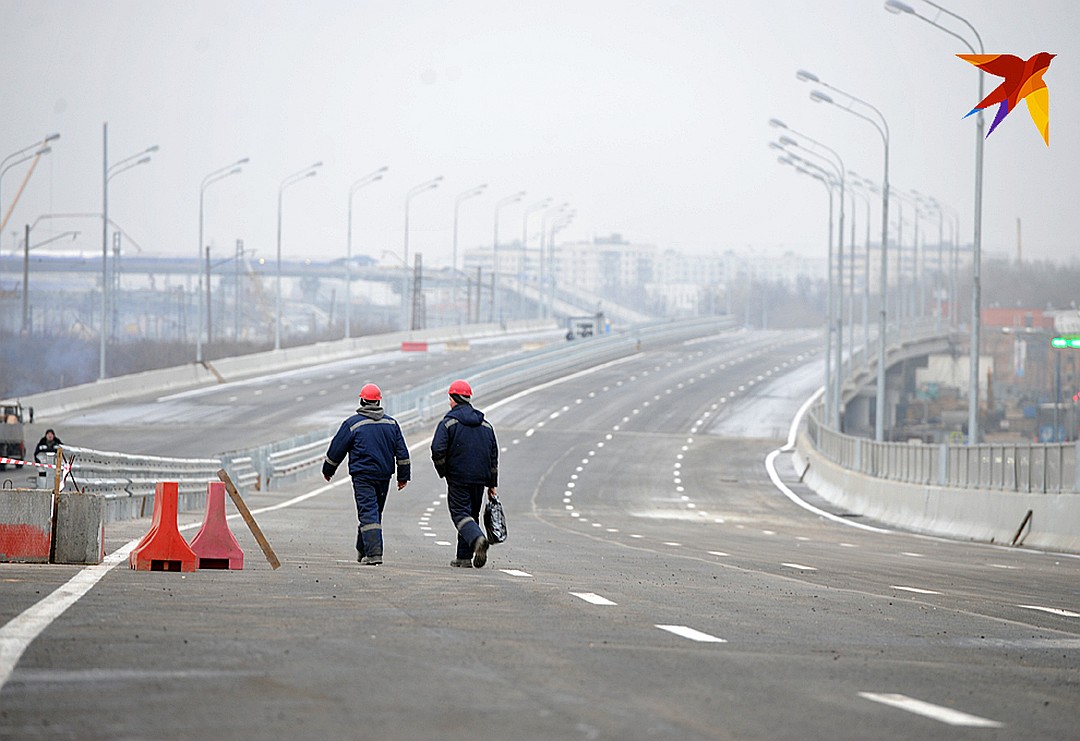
pixel 883 131
pixel 368 179
pixel 296 177
pixel 213 177
pixel 108 172
pixel 461 197
pixel 538 206
pixel 901 8
pixel 26 271
pixel 31 151
pixel 406 309
pixel 496 305
pixel 829 180
pixel 836 316
pixel 563 220
pixel 545 276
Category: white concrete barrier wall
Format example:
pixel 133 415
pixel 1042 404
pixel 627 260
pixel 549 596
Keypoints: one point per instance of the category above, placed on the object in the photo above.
pixel 193 375
pixel 969 514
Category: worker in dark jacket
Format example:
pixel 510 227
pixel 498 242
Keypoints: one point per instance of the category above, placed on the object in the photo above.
pixel 466 454
pixel 47 444
pixel 375 445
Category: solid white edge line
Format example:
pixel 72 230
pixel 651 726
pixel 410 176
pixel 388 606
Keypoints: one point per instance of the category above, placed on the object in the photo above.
pixel 770 466
pixel 929 710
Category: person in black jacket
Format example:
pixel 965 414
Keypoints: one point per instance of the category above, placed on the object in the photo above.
pixel 374 443
pixel 47 444
pixel 466 454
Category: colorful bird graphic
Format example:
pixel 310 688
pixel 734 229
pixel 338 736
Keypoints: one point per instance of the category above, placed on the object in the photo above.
pixel 1023 80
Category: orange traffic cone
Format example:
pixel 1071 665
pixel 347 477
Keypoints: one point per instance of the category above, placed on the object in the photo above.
pixel 163 548
pixel 214 544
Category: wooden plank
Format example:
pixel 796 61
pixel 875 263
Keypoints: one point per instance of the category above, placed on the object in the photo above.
pixel 271 557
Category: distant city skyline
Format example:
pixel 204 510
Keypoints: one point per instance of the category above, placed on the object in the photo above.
pixel 650 119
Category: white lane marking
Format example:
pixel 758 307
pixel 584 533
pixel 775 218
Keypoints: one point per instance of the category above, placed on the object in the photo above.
pixel 515 572
pixel 848 545
pixel 1002 566
pixel 18 633
pixel 1051 610
pixel 431 535
pixel 913 555
pixel 671 543
pixel 635 535
pixel 928 710
pixel 593 599
pixel 799 566
pixel 718 553
pixel 612 529
pixel 770 466
pixel 768 532
pixel 915 590
pixel 530 432
pixel 693 635
pixel 443 542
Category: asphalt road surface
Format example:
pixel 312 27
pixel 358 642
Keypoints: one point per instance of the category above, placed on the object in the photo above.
pixel 656 584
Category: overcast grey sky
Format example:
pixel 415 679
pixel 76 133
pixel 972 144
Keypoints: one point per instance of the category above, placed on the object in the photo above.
pixel 650 117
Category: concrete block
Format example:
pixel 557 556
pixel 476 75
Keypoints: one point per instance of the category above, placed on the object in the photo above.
pixel 80 528
pixel 25 525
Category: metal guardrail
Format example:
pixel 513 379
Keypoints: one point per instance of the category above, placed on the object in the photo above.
pixel 1047 468
pixel 426 403
pixel 120 475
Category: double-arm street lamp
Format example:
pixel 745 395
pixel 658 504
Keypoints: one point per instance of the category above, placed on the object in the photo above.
pixel 499 206
pixel 461 198
pixel 545 274
pixel 529 210
pixel 108 172
pixel 831 182
pixel 901 8
pixel 836 163
pixel 368 179
pixel 296 177
pixel 17 157
pixel 878 122
pixel 407 313
pixel 213 177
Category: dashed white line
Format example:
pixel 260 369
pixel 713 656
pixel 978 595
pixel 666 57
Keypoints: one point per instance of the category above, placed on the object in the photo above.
pixel 914 590
pixel 516 572
pixel 693 635
pixel 799 566
pixel 593 599
pixel 929 710
pixel 1051 610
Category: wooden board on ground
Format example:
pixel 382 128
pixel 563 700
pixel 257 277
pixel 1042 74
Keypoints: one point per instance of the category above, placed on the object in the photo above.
pixel 271 557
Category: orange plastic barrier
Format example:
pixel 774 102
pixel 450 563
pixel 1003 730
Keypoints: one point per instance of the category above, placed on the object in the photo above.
pixel 413 347
pixel 163 548
pixel 214 544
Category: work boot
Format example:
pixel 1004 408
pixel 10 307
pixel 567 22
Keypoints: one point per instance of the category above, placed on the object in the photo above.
pixel 371 560
pixel 359 556
pixel 462 563
pixel 479 554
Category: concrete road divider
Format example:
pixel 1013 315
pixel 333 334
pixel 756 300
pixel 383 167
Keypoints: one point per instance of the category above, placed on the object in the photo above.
pixel 25 525
pixel 80 528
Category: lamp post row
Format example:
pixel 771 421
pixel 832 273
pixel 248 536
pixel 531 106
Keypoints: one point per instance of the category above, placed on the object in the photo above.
pixel 111 170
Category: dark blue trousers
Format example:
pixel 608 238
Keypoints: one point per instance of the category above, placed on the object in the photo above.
pixel 370 500
pixel 465 502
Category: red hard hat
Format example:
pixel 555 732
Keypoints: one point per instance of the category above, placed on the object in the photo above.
pixel 460 388
pixel 370 392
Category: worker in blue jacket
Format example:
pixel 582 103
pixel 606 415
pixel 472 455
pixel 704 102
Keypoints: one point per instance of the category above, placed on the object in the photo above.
pixel 466 454
pixel 375 445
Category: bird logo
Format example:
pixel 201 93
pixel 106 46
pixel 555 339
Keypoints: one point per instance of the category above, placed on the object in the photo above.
pixel 1023 81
